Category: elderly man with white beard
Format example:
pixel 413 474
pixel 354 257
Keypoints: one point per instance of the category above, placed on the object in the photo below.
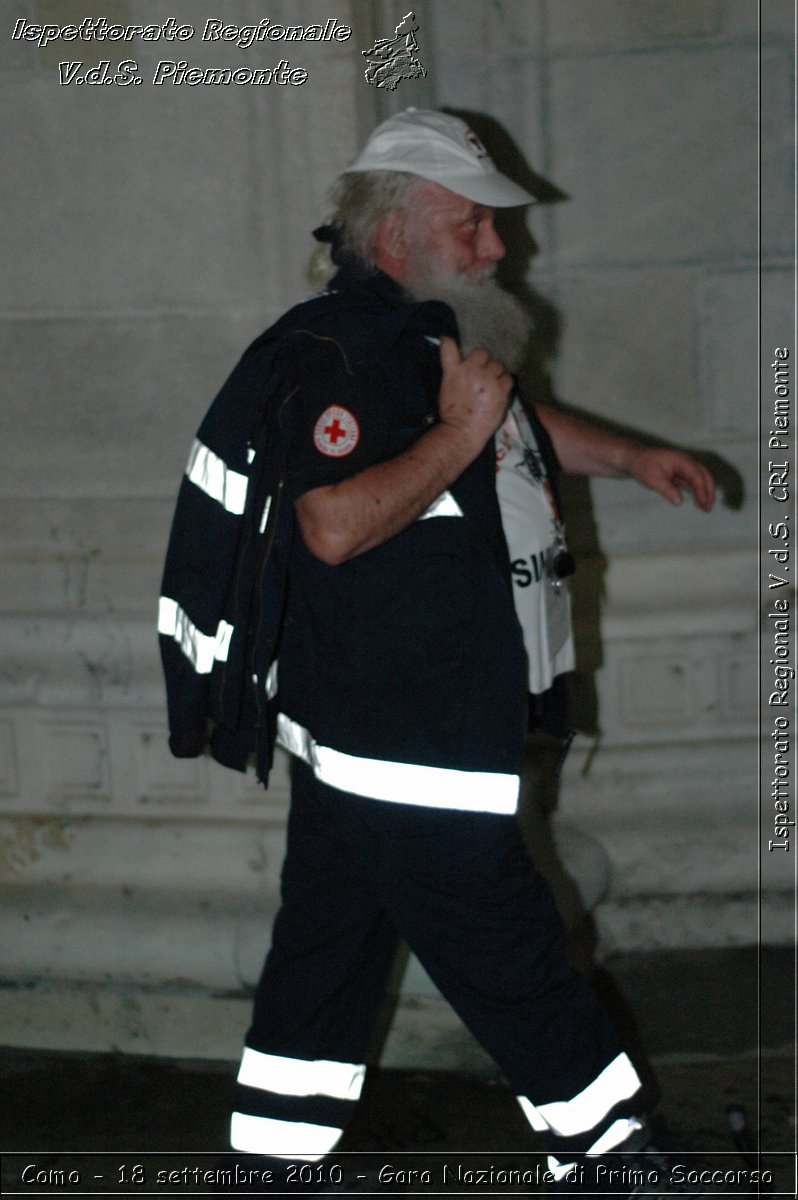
pixel 366 567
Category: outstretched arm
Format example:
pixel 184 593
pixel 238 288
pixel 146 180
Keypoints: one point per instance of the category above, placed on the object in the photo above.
pixel 586 449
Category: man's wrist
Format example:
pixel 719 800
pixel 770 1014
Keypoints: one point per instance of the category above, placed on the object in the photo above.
pixel 463 441
pixel 626 456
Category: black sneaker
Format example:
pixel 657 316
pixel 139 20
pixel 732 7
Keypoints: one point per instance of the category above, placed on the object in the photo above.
pixel 646 1172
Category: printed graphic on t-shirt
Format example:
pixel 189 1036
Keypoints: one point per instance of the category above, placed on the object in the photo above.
pixel 531 465
pixel 534 535
pixel 336 433
pixel 522 456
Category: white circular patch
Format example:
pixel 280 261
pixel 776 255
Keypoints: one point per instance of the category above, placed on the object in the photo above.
pixel 336 432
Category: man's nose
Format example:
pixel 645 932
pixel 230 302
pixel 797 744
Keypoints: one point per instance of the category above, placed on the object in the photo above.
pixel 490 247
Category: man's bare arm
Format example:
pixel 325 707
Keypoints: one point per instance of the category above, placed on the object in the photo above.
pixel 345 519
pixel 585 449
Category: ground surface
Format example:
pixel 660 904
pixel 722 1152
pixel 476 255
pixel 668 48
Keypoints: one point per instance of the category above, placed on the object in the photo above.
pixel 711 1042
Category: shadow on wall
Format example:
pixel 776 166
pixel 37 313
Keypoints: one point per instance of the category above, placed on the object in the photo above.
pixel 574 865
pixel 587 586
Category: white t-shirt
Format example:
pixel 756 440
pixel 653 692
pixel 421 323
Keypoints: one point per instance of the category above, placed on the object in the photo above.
pixel 534 535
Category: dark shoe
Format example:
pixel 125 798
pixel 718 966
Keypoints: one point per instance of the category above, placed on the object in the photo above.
pixel 650 1172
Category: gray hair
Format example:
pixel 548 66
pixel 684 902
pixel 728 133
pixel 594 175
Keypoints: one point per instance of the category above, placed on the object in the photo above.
pixel 359 201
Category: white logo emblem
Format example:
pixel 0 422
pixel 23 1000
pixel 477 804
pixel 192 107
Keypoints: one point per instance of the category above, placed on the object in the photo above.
pixel 336 432
pixel 396 58
pixel 474 144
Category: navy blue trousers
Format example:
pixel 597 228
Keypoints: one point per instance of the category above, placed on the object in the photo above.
pixel 460 888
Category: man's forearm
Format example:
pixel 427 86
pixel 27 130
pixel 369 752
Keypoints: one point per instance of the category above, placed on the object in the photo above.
pixel 585 449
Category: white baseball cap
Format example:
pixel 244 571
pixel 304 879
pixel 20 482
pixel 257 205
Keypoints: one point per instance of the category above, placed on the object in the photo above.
pixel 442 148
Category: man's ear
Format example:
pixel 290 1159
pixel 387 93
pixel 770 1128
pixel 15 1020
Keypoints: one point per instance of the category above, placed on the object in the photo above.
pixel 390 243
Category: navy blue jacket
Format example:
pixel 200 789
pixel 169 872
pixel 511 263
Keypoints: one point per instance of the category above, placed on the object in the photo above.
pixel 224 590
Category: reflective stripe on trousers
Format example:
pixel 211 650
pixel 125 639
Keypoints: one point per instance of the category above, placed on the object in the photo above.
pixel 308 1088
pixel 588 1111
pixel 401 783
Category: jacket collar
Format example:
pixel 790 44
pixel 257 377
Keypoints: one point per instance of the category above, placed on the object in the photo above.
pixel 368 311
pixel 388 302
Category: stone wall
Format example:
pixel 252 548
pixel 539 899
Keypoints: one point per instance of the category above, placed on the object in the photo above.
pixel 155 231
pixel 645 274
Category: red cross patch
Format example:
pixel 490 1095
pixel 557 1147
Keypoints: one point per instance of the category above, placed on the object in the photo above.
pixel 336 432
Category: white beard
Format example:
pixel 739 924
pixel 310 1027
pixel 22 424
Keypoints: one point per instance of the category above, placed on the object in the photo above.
pixel 486 314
